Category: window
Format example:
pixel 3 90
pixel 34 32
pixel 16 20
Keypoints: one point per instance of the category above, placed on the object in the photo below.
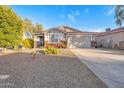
pixel 55 37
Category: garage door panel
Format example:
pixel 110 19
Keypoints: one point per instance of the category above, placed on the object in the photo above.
pixel 79 42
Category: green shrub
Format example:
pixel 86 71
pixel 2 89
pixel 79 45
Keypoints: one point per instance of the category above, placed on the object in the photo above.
pixel 41 46
pixel 28 43
pixel 51 50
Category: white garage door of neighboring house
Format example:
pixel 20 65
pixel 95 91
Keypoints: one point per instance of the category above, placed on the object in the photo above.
pixel 79 41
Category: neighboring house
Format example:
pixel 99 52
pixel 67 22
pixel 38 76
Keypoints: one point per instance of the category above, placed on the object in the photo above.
pixel 111 38
pixel 74 37
pixel 27 34
pixel 80 39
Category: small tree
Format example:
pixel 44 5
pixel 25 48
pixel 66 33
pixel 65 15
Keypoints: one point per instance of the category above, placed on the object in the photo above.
pixel 11 27
pixel 38 27
pixel 28 26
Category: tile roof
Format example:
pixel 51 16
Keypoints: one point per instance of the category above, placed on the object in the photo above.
pixel 82 33
pixel 117 30
pixel 38 32
pixel 69 29
pixel 72 31
pixel 55 29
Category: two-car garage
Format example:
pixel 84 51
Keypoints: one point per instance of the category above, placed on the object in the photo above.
pixel 78 41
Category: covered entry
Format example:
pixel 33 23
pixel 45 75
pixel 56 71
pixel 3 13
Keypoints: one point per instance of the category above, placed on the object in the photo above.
pixel 38 39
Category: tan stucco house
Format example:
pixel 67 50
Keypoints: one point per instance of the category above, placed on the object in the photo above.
pixel 111 38
pixel 74 37
pixel 79 39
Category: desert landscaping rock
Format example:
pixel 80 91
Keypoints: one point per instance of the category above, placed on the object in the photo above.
pixel 58 71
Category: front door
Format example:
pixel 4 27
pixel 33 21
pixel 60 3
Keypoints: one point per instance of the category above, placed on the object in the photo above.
pixel 41 41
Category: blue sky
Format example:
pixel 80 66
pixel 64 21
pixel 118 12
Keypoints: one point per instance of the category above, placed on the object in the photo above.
pixel 83 17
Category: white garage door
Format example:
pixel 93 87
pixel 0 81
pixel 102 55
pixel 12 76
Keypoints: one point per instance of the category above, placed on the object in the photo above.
pixel 79 41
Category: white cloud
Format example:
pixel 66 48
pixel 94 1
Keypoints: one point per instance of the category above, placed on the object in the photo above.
pixel 71 17
pixel 109 10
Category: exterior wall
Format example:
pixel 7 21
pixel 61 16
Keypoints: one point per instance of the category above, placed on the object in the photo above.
pixel 35 41
pixel 55 44
pixel 47 35
pixel 78 41
pixel 111 40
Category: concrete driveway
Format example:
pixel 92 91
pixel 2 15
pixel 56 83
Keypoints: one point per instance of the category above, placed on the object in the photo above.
pixel 107 64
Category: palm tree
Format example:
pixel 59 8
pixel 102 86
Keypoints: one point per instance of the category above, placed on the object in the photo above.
pixel 119 14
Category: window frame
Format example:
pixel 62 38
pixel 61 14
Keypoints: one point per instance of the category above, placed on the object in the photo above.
pixel 60 37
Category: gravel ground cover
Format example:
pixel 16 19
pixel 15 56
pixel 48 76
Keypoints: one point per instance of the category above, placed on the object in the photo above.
pixel 50 71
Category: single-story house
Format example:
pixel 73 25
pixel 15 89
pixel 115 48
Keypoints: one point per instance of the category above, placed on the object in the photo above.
pixel 79 39
pixel 74 37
